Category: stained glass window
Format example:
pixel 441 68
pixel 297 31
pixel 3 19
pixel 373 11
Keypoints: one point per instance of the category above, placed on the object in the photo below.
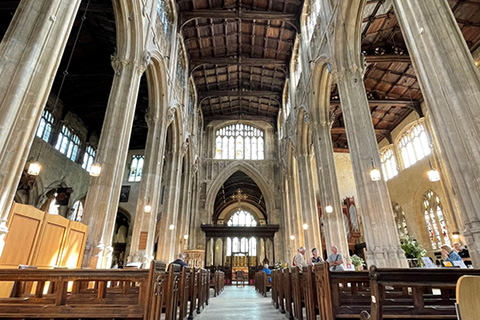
pixel 136 168
pixel 400 220
pixel 45 126
pixel 77 211
pixel 389 163
pixel 434 219
pixel 414 145
pixel 239 141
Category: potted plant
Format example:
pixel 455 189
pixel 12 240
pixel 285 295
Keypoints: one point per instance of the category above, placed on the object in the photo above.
pixel 413 251
pixel 357 262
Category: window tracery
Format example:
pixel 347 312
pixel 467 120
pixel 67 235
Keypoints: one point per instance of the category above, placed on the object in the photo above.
pixel 88 158
pixel 239 141
pixel 242 218
pixel 434 219
pixel 68 143
pixel 44 129
pixel 389 163
pixel 136 168
pixel 77 213
pixel 414 145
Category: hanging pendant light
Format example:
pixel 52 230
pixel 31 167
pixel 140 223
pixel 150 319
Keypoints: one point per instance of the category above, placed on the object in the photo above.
pixel 375 174
pixel 433 174
pixel 305 226
pixel 95 169
pixel 292 237
pixel 456 235
pixel 328 209
pixel 34 168
pixel 147 208
pixel 171 227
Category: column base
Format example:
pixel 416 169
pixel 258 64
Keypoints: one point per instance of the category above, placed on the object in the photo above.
pixel 472 237
pixel 101 257
pixel 387 257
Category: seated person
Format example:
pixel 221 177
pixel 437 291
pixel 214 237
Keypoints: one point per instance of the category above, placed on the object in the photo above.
pixel 268 272
pixel 181 261
pixel 450 255
pixel 462 251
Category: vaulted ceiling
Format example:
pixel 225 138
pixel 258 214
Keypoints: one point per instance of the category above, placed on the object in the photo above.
pixel 239 53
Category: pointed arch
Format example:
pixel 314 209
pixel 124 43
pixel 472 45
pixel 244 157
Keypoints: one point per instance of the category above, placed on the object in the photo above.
pixel 129 29
pixel 249 170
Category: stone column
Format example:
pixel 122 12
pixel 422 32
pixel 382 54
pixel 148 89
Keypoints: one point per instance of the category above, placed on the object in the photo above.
pixel 150 189
pixel 335 234
pixel 375 206
pixel 450 83
pixel 185 200
pixel 307 199
pixel 295 214
pixel 167 237
pixel 101 205
pixel 30 52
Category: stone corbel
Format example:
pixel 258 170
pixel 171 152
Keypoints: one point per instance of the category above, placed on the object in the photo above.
pixel 170 115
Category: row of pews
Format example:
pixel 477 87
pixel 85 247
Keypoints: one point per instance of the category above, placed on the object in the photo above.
pixel 261 282
pixel 148 294
pixel 375 294
pixel 217 282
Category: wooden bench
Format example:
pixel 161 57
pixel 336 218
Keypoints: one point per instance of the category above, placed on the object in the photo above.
pixel 261 282
pixel 217 282
pixel 468 302
pixel 415 296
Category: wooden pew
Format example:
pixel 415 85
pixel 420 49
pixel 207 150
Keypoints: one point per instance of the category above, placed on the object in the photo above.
pixel 195 274
pixel 287 292
pixel 94 293
pixel 275 291
pixel 310 293
pixel 217 282
pixel 278 293
pixel 262 283
pixel 341 294
pixel 416 300
pixel 468 293
pixel 297 282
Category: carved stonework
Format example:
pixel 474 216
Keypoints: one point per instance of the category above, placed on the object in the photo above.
pixel 170 115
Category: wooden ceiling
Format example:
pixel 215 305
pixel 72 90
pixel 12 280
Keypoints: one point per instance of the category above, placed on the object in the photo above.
pixel 239 53
pixel 390 79
pixel 238 181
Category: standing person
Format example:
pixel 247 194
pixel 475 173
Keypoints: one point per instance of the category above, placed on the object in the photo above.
pixel 335 260
pixel 315 257
pixel 299 260
pixel 181 261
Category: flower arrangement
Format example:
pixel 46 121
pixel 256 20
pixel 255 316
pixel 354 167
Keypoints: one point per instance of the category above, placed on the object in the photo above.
pixel 281 265
pixel 413 250
pixel 357 262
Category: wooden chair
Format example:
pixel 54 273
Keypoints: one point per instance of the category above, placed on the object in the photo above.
pixel 240 278
pixel 468 298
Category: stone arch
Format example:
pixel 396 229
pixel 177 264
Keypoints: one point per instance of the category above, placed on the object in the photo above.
pixel 225 215
pixel 322 85
pixel 129 29
pixel 347 36
pixel 157 86
pixel 303 130
pixel 249 170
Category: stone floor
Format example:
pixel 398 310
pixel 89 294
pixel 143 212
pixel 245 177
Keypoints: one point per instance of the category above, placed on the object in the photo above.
pixel 240 304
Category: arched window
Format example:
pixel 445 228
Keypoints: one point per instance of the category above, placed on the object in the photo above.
pixel 414 145
pixel 164 15
pixel 239 141
pixel 88 158
pixel 434 219
pixel 136 168
pixel 53 206
pixel 45 126
pixel 400 220
pixel 68 143
pixel 77 213
pixel 242 218
pixel 389 163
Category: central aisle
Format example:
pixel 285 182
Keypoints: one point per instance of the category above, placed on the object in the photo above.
pixel 240 304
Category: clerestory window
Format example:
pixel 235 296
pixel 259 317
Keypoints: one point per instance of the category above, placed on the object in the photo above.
pixel 68 143
pixel 44 129
pixel 389 164
pixel 136 168
pixel 414 145
pixel 88 158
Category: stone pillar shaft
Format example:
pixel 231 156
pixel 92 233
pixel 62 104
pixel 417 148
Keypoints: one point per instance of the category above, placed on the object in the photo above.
pixel 450 83
pixel 103 195
pixel 31 52
pixel 334 229
pixel 383 244
pixel 150 189
pixel 309 208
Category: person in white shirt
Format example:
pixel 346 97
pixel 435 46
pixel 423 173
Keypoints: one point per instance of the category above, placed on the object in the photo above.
pixel 335 260
pixel 299 260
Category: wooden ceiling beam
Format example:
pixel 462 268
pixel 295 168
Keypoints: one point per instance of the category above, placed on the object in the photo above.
pixel 341 130
pixel 272 120
pixel 243 15
pixel 246 94
pixel 386 102
pixel 392 58
pixel 246 62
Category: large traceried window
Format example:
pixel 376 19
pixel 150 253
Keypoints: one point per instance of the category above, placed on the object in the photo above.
pixel 389 164
pixel 88 158
pixel 68 143
pixel 400 220
pixel 242 218
pixel 136 168
pixel 414 145
pixel 240 141
pixel 45 126
pixel 434 219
